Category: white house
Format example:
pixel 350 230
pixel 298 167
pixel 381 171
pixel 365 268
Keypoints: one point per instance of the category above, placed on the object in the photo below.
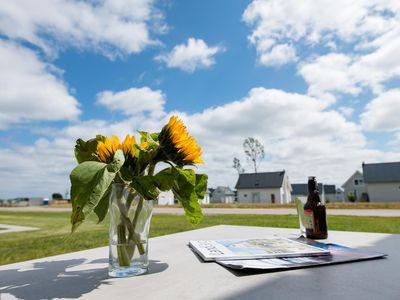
pixel 339 195
pixel 355 187
pixel 166 198
pixel 382 181
pixel 267 187
pixel 35 201
pixel 222 194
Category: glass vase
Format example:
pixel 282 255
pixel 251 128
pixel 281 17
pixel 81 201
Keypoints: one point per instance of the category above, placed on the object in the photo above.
pixel 130 217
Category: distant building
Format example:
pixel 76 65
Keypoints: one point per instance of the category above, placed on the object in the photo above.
pixel 355 187
pixel 382 181
pixel 330 193
pixel 339 195
pixel 267 187
pixel 36 201
pixel 301 190
pixel 166 198
pixel 222 194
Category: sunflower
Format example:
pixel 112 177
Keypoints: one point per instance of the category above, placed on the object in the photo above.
pixel 107 149
pixel 178 145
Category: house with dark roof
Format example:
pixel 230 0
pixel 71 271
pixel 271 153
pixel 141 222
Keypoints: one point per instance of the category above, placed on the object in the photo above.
pixel 222 194
pixel 267 187
pixel 382 181
pixel 327 192
pixel 330 193
pixel 301 190
pixel 354 187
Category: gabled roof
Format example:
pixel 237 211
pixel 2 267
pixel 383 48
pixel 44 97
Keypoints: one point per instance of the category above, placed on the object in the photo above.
pixel 302 188
pixel 382 172
pixel 356 173
pixel 260 180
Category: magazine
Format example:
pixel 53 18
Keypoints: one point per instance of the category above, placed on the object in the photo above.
pixel 338 254
pixel 273 247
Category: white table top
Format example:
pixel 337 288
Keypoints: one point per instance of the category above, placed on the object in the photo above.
pixel 177 273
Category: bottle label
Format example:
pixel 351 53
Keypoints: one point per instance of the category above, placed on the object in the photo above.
pixel 308 219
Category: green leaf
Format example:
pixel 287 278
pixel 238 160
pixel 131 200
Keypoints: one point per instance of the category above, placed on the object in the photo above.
pixel 185 191
pixel 126 175
pixel 83 181
pixel 90 182
pixel 164 179
pixel 145 186
pixel 186 176
pixel 86 151
pixel 149 138
pixel 102 208
pixel 117 163
pixel 201 185
pixel 154 136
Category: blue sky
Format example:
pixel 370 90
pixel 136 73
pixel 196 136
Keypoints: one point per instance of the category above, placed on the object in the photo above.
pixel 316 82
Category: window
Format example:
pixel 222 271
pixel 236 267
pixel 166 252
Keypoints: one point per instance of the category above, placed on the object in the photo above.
pixel 358 182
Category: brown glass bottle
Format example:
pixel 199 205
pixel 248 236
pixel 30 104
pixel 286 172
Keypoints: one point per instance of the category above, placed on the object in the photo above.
pixel 315 213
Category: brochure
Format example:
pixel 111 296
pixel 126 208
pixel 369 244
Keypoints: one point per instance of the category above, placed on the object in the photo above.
pixel 239 249
pixel 338 254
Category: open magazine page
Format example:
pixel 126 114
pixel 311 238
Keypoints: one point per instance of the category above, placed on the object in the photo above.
pixel 338 254
pixel 253 248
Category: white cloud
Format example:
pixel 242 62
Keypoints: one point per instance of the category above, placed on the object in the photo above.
pixel 111 27
pixel 43 167
pixel 364 35
pixel 346 111
pixel 299 134
pixel 29 91
pixel 383 113
pixel 278 55
pixel 330 73
pixel 196 54
pixel 350 74
pixel 315 22
pixel 134 101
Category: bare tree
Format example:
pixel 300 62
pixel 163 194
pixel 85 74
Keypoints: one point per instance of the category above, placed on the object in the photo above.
pixel 254 151
pixel 237 165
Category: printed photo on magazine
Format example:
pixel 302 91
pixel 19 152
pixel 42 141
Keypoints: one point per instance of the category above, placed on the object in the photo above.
pixel 338 254
pixel 272 247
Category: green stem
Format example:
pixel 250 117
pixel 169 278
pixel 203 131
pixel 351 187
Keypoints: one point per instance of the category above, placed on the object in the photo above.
pixel 126 246
pixel 122 251
pixel 134 222
pixel 132 235
pixel 131 229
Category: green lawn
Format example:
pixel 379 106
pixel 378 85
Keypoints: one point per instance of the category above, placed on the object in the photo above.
pixel 53 237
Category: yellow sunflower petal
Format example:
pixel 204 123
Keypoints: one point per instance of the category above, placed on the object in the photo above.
pixel 182 141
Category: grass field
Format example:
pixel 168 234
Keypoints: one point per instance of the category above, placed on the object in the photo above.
pixel 53 236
